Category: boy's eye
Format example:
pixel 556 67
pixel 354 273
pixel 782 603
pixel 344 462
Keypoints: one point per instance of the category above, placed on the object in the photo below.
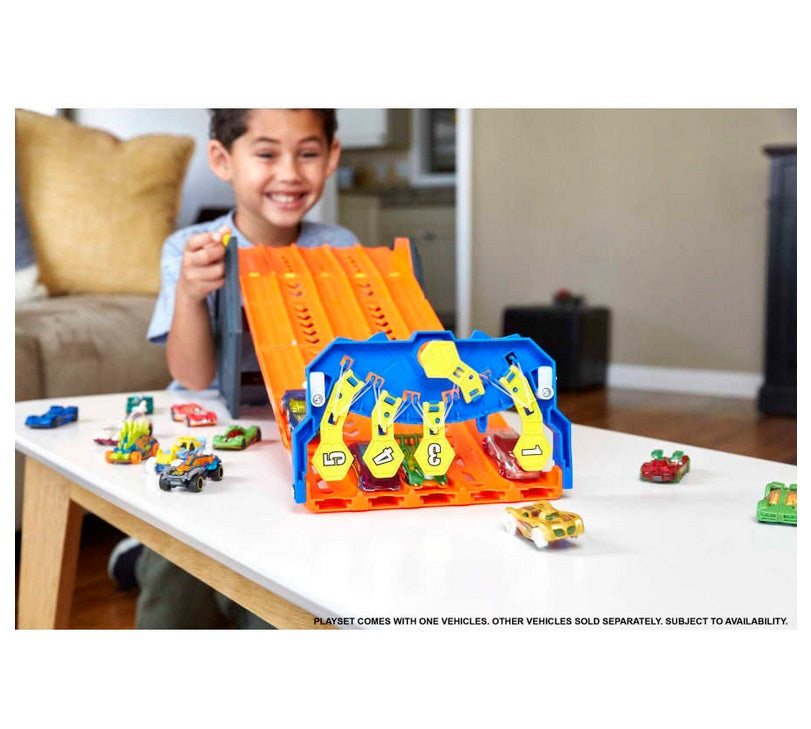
pixel 265 155
pixel 310 153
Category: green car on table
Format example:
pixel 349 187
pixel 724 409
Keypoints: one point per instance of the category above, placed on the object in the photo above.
pixel 237 437
pixel 779 504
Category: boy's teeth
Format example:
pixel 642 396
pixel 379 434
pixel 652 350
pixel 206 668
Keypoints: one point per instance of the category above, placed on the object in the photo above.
pixel 282 197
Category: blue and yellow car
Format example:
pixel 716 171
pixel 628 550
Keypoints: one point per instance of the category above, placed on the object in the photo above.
pixel 181 448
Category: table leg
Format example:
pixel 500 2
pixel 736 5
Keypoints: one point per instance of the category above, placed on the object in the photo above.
pixel 51 530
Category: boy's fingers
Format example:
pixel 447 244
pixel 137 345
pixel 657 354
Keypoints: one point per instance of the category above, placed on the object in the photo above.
pixel 208 254
pixel 210 273
pixel 196 242
pixel 205 240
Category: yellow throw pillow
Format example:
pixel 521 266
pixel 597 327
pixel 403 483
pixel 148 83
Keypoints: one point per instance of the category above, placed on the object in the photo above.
pixel 99 208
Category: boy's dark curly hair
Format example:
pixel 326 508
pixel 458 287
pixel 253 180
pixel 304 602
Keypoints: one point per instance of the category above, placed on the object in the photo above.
pixel 228 125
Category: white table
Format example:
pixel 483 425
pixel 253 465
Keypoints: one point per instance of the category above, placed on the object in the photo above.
pixel 688 550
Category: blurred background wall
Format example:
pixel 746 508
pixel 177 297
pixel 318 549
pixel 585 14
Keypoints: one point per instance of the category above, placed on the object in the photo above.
pixel 659 214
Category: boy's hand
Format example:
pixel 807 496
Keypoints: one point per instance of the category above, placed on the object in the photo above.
pixel 202 269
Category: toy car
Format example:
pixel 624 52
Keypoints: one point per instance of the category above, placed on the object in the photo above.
pixel 237 438
pixel 779 504
pixel 108 435
pixel 181 448
pixel 542 523
pixel 193 415
pixel 136 443
pixel 499 446
pixel 665 470
pixel 366 481
pixel 133 401
pixel 57 415
pixel 294 404
pixel 413 473
pixel 191 472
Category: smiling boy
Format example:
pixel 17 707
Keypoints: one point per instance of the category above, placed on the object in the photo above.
pixel 277 161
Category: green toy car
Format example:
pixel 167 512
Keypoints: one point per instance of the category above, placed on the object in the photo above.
pixel 237 438
pixel 414 475
pixel 779 504
pixel 133 401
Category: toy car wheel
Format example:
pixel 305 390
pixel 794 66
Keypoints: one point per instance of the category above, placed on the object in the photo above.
pixel 242 444
pixel 509 524
pixel 196 484
pixel 135 457
pixel 164 485
pixel 538 538
pixel 217 473
pixel 154 450
pixel 258 434
pixel 188 422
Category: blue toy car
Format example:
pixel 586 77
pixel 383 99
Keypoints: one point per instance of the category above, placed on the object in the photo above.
pixel 55 417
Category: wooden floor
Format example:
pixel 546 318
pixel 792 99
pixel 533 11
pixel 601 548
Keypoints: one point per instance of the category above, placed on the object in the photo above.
pixel 730 425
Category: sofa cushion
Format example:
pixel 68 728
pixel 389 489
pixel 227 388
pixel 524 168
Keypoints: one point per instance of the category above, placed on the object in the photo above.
pixel 99 208
pixel 26 271
pixel 87 344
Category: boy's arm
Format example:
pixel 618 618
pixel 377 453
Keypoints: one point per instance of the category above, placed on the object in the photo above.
pixel 190 344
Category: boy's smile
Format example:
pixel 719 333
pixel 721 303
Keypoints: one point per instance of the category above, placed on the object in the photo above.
pixel 277 168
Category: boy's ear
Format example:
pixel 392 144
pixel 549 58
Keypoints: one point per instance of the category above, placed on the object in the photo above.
pixel 219 160
pixel 333 157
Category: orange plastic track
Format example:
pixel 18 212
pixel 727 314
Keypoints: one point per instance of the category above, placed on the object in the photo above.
pixel 297 300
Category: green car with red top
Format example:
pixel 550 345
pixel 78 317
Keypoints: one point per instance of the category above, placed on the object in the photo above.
pixel 237 438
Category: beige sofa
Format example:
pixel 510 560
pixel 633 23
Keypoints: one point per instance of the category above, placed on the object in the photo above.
pixel 93 212
pixel 83 344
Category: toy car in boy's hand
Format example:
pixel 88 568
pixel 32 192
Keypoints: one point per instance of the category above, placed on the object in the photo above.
pixel 191 472
pixel 542 523
pixel 57 415
pixel 665 470
pixel 237 438
pixel 193 415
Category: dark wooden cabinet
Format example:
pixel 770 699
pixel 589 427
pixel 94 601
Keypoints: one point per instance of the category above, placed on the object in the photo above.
pixel 576 337
pixel 778 395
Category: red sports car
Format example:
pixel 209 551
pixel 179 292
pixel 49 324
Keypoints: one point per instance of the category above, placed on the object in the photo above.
pixel 665 470
pixel 192 414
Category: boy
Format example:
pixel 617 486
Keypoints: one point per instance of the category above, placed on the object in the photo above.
pixel 277 161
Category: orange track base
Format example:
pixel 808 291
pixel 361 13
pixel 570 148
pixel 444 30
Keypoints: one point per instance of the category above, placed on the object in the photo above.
pixel 297 301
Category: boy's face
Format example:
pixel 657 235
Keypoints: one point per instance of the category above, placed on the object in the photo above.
pixel 277 169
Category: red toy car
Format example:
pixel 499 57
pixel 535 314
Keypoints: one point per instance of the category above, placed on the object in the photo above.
pixel 665 470
pixel 192 414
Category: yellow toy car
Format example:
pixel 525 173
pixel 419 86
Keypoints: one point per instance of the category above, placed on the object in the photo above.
pixel 180 448
pixel 542 523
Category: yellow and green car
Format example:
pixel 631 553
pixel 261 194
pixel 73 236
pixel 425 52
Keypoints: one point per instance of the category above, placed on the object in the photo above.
pixel 135 443
pixel 542 523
